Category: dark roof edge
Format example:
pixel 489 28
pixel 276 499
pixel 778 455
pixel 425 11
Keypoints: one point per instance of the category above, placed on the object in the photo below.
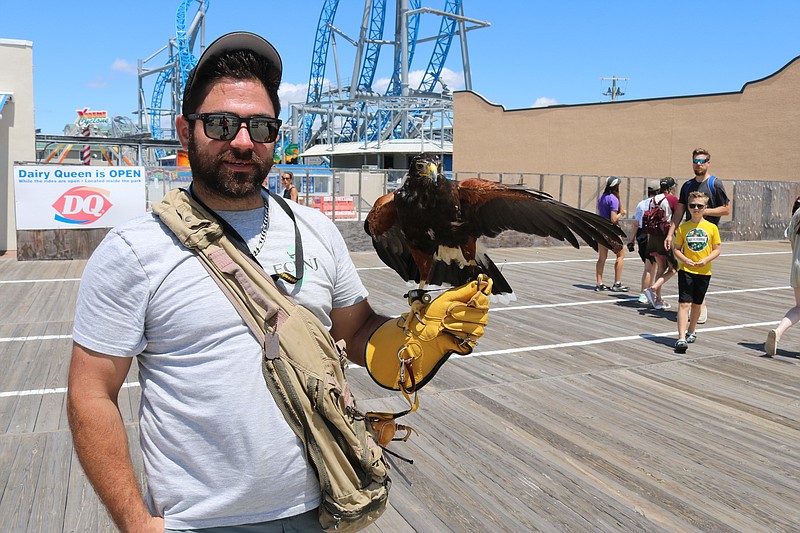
pixel 557 106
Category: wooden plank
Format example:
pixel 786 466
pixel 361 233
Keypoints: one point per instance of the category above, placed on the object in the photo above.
pixel 47 512
pixel 587 422
pixel 22 484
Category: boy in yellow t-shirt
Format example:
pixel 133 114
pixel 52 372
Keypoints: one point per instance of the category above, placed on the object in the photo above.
pixel 696 244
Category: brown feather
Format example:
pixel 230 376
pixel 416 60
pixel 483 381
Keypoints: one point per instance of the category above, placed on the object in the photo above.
pixel 428 213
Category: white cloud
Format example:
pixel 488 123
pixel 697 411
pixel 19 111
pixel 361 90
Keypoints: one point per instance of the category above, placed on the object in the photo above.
pixel 121 65
pixel 292 93
pixel 544 101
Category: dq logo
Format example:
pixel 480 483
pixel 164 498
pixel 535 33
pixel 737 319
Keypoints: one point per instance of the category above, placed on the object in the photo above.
pixel 82 205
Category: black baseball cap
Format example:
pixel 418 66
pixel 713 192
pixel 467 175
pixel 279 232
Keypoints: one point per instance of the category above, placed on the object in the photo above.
pixel 237 40
pixel 667 183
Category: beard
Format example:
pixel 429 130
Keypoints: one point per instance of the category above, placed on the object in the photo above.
pixel 211 172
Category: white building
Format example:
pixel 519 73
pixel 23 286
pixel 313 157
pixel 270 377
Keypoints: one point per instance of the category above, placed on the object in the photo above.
pixel 17 130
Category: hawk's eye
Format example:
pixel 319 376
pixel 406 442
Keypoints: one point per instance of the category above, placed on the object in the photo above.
pixel 420 165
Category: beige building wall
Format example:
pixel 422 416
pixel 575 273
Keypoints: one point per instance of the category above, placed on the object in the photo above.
pixel 751 134
pixel 17 130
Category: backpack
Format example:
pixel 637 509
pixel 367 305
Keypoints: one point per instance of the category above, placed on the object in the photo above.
pixel 303 369
pixel 711 200
pixel 654 220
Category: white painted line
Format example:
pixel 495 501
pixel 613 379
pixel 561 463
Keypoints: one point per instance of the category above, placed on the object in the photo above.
pixel 35 338
pixel 492 310
pixel 38 280
pixel 626 299
pixel 59 390
pixel 612 339
pixel 62 390
pixel 632 257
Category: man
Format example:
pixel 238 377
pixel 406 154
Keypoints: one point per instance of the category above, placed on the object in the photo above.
pixel 217 450
pixel 718 203
pixel 289 190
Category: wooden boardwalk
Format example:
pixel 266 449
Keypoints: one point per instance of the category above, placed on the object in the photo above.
pixel 573 414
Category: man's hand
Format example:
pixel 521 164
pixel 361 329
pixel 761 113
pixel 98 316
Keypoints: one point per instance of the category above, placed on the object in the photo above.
pixel 409 350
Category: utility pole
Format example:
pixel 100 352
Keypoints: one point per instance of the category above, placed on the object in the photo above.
pixel 614 91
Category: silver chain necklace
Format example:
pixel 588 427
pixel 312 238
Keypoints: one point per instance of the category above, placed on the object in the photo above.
pixel 264 227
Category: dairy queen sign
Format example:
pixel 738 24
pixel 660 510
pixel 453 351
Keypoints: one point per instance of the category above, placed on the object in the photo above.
pixel 76 197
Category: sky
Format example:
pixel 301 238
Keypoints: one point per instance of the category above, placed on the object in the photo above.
pixel 85 53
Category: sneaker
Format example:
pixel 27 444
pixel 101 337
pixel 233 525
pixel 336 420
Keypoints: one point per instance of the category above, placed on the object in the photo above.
pixel 619 287
pixel 681 346
pixel 643 299
pixel 703 315
pixel 601 287
pixel 771 346
pixel 651 296
pixel 661 304
pixel 690 338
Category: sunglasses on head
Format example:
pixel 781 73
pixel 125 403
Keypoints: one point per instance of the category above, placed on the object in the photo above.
pixel 699 161
pixel 697 206
pixel 225 126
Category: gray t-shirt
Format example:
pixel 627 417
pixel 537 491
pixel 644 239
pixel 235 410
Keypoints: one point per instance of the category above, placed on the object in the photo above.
pixel 216 449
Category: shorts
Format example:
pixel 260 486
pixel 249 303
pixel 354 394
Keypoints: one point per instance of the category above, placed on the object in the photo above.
pixel 655 245
pixel 692 287
pixel 641 241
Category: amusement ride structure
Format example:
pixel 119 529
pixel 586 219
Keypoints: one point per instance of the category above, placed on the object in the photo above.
pixel 160 114
pixel 344 111
pixel 354 112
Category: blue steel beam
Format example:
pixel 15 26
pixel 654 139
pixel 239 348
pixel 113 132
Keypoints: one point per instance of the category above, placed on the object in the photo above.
pixel 372 51
pixel 319 59
pixel 447 28
pixel 380 120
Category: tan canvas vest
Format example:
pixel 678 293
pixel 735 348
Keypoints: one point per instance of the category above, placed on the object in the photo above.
pixel 303 369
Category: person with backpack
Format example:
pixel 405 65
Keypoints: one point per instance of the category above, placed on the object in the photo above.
pixel 640 239
pixel 201 292
pixel 660 212
pixel 719 204
pixel 608 206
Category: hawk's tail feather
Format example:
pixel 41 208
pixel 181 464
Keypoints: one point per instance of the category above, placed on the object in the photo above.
pixel 455 274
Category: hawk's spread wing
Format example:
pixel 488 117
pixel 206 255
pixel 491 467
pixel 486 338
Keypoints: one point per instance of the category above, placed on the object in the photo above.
pixel 388 239
pixel 494 208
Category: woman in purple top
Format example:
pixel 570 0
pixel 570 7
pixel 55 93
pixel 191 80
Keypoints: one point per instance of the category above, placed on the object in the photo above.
pixel 608 206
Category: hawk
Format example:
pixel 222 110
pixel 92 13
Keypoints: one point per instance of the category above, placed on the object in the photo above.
pixel 428 230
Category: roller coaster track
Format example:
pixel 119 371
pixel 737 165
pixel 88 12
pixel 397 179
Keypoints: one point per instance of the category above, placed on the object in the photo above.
pixel 319 59
pixel 372 53
pixel 157 99
pixel 383 123
pixel 442 47
pixel 184 60
pixel 432 73
pixel 378 122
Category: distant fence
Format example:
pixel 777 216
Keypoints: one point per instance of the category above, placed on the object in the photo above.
pixel 760 209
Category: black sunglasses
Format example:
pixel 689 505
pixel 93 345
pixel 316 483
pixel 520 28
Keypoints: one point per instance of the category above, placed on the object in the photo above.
pixel 225 126
pixel 697 206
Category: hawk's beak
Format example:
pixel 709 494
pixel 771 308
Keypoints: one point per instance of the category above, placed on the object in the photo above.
pixel 433 171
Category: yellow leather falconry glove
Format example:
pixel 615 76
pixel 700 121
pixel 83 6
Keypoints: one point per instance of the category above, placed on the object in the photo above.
pixel 406 352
